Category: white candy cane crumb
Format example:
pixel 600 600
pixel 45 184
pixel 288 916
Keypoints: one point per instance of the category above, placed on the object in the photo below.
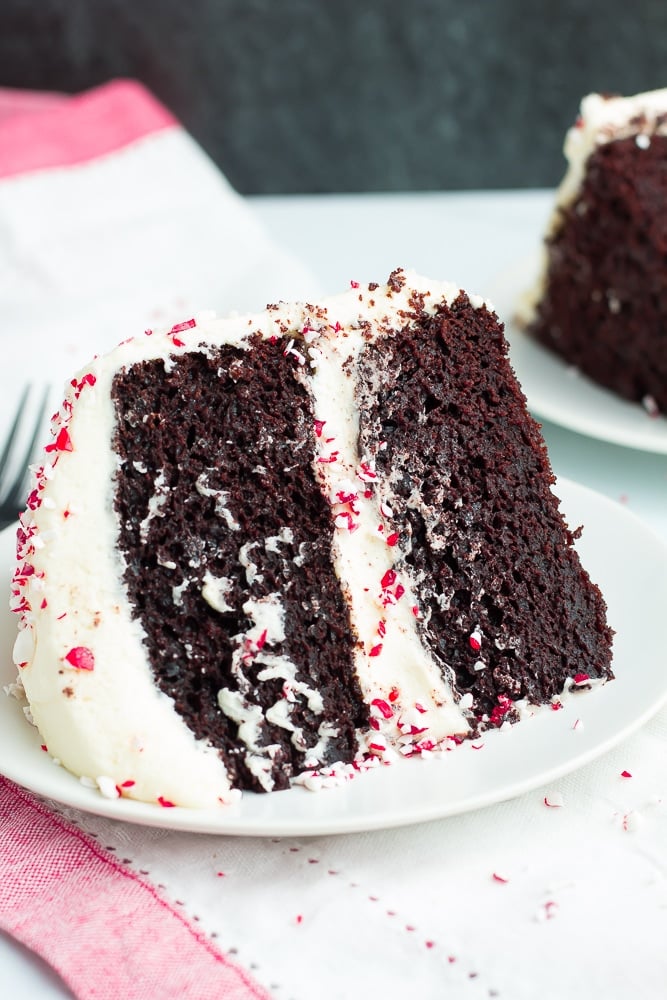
pixel 107 787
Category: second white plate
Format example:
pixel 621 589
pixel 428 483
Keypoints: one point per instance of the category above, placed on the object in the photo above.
pixel 632 572
pixel 557 392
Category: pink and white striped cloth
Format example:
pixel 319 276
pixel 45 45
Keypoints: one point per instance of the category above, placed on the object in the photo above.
pixel 43 131
pixel 105 929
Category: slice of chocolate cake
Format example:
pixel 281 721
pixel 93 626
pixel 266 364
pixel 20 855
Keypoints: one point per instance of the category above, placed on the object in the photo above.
pixel 601 302
pixel 265 545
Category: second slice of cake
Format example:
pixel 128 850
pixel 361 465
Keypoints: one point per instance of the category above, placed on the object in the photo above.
pixel 601 302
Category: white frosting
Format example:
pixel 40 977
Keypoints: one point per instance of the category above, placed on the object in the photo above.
pixel 221 500
pixel 601 120
pixel 604 120
pixel 155 504
pixel 215 592
pixel 81 656
pixel 394 659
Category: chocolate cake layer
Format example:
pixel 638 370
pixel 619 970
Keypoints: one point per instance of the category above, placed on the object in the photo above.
pixel 604 307
pixel 217 484
pixel 502 599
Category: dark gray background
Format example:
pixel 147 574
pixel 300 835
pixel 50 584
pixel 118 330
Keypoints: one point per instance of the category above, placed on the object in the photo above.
pixel 346 95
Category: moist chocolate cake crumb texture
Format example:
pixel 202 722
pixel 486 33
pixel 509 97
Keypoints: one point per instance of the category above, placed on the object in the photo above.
pixel 225 433
pixel 604 307
pixel 469 478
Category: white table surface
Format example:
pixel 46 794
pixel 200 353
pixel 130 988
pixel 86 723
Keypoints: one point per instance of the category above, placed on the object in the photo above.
pixel 467 238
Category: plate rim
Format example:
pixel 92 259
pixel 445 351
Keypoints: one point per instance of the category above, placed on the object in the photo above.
pixel 231 821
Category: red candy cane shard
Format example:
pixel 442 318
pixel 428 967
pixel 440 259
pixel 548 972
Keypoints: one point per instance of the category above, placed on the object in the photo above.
pixel 81 658
pixel 63 442
pixel 185 325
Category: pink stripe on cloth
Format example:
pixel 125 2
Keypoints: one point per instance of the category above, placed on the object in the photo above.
pixel 21 102
pixel 108 933
pixel 77 129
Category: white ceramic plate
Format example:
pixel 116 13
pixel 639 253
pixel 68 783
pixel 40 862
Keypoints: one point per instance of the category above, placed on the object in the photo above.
pixel 556 392
pixel 622 555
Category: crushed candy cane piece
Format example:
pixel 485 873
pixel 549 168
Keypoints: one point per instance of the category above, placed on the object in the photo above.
pixel 651 407
pixel 108 787
pixel 550 909
pixel 383 707
pixel 81 658
pixel 187 324
pixel 502 708
pixel 63 442
pixel 632 821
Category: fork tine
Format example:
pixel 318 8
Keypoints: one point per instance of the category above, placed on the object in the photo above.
pixel 37 427
pixel 11 437
pixel 17 491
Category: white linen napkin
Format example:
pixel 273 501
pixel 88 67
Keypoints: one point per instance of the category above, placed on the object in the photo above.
pixel 518 900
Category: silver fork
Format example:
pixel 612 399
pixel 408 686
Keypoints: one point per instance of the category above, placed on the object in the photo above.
pixel 16 455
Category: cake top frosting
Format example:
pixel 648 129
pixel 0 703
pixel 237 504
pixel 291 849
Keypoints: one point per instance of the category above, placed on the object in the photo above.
pixel 604 119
